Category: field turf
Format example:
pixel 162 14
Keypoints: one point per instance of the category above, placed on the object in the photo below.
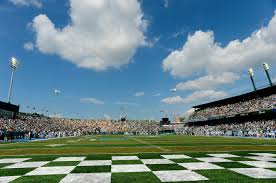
pixel 134 159
pixel 137 144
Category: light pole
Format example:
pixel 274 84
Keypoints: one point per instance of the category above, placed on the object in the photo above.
pixel 14 64
pixel 251 74
pixel 266 68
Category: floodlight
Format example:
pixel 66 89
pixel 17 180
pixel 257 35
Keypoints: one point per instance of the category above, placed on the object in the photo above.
pixel 265 66
pixel 251 72
pixel 14 64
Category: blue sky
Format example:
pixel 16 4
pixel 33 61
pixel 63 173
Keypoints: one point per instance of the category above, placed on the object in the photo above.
pixel 101 73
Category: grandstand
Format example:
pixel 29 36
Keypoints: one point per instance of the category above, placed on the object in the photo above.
pixel 8 110
pixel 250 114
pixel 260 104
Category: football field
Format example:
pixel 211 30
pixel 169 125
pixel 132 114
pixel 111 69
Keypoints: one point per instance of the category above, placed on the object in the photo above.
pixel 119 158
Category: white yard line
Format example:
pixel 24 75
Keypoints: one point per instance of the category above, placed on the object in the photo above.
pixel 151 145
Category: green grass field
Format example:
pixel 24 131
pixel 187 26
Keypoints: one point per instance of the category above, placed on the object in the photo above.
pixel 137 144
pixel 104 147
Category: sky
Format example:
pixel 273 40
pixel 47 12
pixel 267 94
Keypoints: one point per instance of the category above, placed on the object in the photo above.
pixel 113 57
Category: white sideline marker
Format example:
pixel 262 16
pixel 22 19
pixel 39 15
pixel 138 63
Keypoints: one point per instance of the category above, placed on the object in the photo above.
pixel 55 145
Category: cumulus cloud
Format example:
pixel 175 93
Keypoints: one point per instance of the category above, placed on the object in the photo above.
pixel 208 82
pixel 200 53
pixel 195 96
pixel 157 95
pixel 139 94
pixel 173 100
pixel 101 34
pixel 179 33
pixel 166 3
pixel 35 3
pixel 29 46
pixel 91 101
pixel 107 116
pixel 126 103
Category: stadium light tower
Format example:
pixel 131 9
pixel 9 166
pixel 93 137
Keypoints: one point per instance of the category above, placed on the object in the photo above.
pixel 14 64
pixel 251 74
pixel 266 68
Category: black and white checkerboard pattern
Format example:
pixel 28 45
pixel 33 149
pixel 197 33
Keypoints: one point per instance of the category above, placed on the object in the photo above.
pixel 260 163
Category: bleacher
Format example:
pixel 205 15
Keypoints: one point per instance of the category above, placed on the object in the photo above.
pixel 253 113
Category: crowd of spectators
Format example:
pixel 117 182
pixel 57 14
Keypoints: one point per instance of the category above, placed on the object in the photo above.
pixel 260 128
pixel 253 105
pixel 143 127
pixel 45 127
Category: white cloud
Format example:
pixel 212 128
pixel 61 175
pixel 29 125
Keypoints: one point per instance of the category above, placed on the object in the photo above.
pixel 126 103
pixel 202 54
pixel 208 82
pixel 195 96
pixel 106 116
pixel 205 94
pixel 35 3
pixel 157 95
pixel 102 34
pixel 91 101
pixel 166 3
pixel 173 100
pixel 29 46
pixel 153 41
pixel 139 94
pixel 179 33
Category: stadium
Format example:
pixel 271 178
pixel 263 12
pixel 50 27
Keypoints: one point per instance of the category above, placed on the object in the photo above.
pixel 226 138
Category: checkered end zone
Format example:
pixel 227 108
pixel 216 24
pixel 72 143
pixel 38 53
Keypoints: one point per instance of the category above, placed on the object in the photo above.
pixel 168 168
